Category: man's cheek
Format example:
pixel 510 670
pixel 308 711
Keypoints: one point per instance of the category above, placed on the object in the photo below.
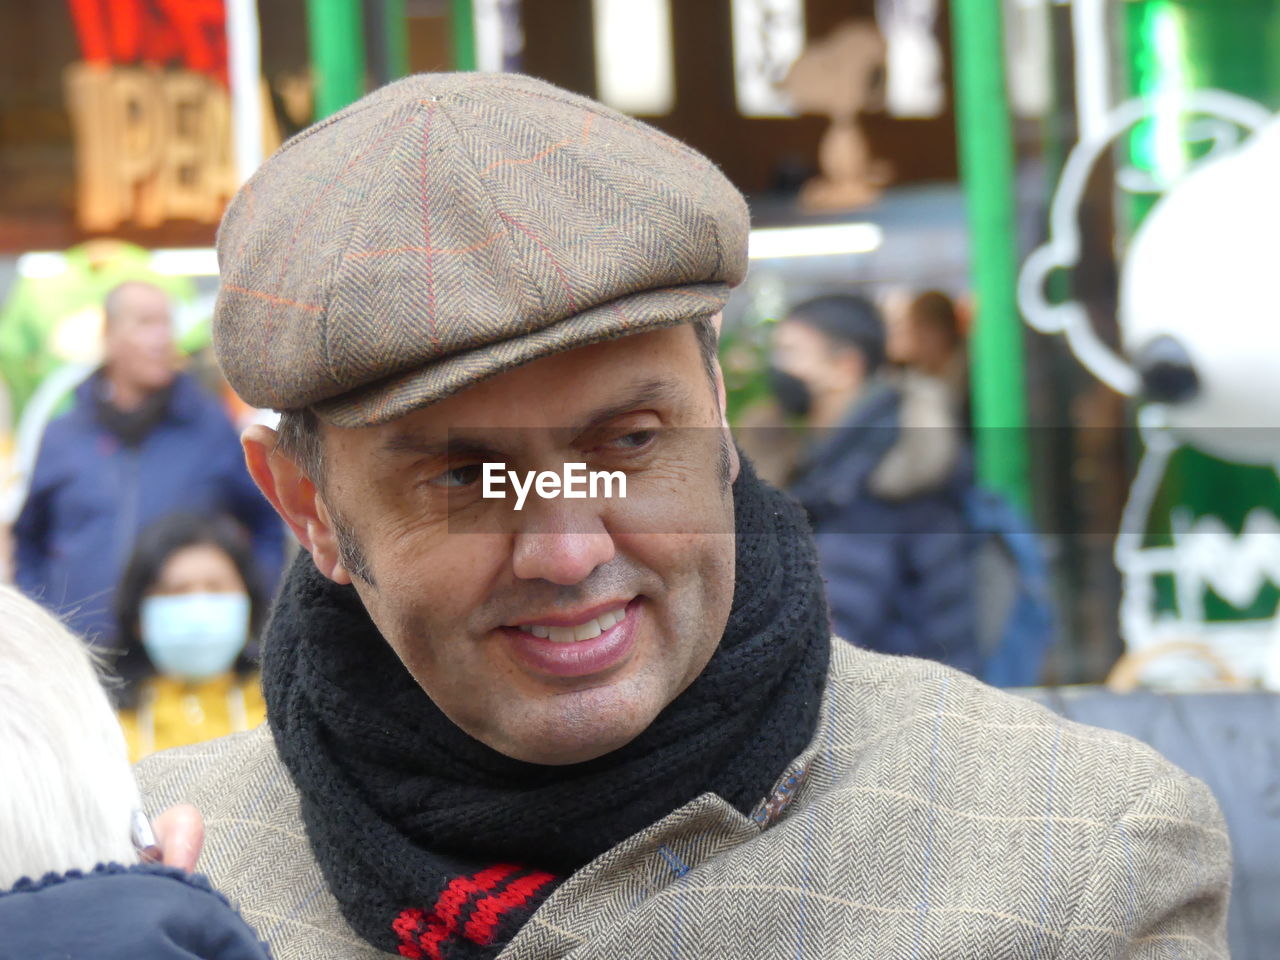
pixel 672 505
pixel 445 578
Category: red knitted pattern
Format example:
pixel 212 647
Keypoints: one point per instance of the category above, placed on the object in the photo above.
pixel 484 919
pixel 422 934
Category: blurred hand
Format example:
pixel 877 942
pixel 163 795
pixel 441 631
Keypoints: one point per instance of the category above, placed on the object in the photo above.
pixel 180 833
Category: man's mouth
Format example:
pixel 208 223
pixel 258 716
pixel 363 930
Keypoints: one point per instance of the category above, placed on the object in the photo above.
pixel 586 642
pixel 587 630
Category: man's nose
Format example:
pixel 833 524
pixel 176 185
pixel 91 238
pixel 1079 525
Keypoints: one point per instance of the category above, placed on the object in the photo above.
pixel 1166 370
pixel 562 549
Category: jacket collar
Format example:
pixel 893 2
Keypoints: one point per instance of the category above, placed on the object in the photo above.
pixel 835 469
pixel 184 404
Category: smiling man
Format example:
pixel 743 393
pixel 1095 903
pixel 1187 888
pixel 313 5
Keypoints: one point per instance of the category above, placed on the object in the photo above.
pixel 611 726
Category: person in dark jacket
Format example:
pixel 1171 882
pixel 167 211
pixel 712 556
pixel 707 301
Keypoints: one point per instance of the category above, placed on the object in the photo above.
pixel 141 441
pixel 883 480
pixel 123 913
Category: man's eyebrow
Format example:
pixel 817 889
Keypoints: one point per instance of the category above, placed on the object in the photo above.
pixel 399 444
pixel 647 393
pixel 644 394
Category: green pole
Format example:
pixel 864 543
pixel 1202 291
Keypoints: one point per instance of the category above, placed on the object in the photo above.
pixel 462 23
pixel 397 37
pixel 336 34
pixel 986 164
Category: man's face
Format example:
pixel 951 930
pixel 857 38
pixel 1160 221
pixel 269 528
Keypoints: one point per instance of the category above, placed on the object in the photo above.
pixel 138 345
pixel 809 354
pixel 473 595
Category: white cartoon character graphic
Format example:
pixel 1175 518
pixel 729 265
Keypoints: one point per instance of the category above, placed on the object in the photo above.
pixel 1199 320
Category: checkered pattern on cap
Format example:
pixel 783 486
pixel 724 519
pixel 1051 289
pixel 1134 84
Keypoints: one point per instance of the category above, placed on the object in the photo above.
pixel 449 227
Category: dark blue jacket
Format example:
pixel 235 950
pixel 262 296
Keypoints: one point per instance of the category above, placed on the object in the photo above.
pixel 90 497
pixel 119 913
pixel 896 551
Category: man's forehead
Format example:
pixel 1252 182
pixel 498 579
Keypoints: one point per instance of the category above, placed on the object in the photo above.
pixel 556 390
pixel 137 294
pixel 442 427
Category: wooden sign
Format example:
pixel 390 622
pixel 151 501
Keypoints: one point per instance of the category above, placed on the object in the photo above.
pixel 151 145
pixel 151 112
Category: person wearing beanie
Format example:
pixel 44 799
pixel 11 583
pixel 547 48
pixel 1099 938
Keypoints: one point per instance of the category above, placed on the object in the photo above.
pixel 552 675
pixel 883 478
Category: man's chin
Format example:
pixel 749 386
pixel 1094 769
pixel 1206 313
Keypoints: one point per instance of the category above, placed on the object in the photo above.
pixel 563 755
pixel 582 726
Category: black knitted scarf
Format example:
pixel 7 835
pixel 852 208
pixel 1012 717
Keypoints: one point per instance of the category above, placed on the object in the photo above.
pixel 439 847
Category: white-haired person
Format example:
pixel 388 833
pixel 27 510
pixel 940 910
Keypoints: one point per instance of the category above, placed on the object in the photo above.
pixel 72 837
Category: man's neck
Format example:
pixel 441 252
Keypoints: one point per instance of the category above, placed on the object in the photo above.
pixel 832 406
pixel 124 395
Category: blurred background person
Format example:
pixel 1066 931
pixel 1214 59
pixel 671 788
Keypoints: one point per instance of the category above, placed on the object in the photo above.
pixel 883 477
pixel 926 335
pixel 142 440
pixel 70 882
pixel 189 609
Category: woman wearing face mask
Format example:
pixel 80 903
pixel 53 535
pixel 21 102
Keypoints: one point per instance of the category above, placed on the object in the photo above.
pixel 189 607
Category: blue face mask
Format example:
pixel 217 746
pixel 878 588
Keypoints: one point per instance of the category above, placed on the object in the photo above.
pixel 195 636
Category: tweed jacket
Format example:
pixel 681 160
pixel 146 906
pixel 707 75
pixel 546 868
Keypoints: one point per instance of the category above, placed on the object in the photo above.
pixel 931 817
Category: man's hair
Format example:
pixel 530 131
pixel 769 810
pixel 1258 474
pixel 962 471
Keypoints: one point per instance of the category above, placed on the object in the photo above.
pixel 934 309
pixel 301 439
pixel 848 320
pixel 68 792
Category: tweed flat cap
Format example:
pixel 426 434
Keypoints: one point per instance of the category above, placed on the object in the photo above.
pixel 449 227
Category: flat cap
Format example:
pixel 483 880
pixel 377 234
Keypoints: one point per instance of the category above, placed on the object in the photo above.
pixel 449 227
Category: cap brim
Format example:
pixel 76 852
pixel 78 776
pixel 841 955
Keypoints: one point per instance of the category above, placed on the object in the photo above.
pixel 393 397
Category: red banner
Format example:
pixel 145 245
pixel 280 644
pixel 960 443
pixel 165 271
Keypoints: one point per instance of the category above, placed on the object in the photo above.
pixel 190 33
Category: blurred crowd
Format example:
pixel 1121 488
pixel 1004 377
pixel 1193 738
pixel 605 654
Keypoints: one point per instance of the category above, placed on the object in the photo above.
pixel 868 428
pixel 143 532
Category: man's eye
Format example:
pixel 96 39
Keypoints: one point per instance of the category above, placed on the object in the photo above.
pixel 634 440
pixel 458 476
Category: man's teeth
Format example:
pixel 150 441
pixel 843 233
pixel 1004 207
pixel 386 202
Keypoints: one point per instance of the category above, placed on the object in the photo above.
pixel 583 631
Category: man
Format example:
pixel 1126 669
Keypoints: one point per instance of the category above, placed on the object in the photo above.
pixel 599 727
pixel 883 479
pixel 140 441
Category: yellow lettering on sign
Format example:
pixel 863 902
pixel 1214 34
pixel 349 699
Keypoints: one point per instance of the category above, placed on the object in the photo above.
pixel 151 145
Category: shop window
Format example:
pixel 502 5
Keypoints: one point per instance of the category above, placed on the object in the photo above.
pixel 634 71
pixel 768 36
pixel 499 36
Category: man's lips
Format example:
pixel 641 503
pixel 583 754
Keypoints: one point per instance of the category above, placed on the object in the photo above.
pixel 608 634
pixel 574 618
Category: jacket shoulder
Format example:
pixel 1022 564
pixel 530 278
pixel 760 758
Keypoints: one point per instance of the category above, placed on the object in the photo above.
pixel 65 430
pixel 193 404
pixel 1036 830
pixel 255 851
pixel 911 707
pixel 216 771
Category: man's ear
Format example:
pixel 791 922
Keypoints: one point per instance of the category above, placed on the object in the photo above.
pixel 722 397
pixel 296 498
